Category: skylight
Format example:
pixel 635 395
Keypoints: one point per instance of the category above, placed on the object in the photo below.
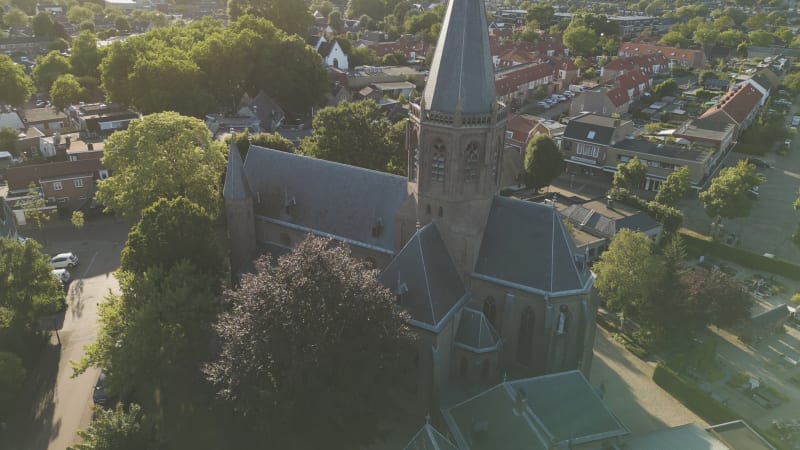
pixel 590 135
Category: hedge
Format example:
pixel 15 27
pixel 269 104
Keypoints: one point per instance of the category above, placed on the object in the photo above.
pixel 696 246
pixel 694 398
pixel 670 218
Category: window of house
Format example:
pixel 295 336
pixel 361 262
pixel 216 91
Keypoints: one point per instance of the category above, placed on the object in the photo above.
pixel 591 134
pixel 78 183
pixel 471 163
pixel 57 186
pixel 588 150
pixel 103 174
pixel 438 162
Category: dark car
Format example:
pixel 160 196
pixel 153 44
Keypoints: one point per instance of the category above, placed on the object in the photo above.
pixel 99 394
pixel 758 163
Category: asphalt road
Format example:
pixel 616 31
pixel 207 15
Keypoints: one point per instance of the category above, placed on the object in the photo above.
pixel 55 405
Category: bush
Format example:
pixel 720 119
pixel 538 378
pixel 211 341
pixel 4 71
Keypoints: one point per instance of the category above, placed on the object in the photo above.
pixel 694 398
pixel 671 218
pixel 696 246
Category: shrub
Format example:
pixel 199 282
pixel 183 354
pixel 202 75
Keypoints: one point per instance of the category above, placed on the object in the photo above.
pixel 671 218
pixel 694 398
pixel 696 246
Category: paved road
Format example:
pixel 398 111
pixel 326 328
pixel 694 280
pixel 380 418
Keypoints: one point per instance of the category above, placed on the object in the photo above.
pixel 58 403
pixel 630 392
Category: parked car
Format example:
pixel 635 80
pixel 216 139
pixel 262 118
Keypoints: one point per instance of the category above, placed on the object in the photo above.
pixel 561 98
pixel 544 105
pixel 99 394
pixel 758 162
pixel 62 274
pixel 64 260
pixel 568 94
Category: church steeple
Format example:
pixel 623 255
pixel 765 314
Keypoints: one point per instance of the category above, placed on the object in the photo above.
pixel 461 70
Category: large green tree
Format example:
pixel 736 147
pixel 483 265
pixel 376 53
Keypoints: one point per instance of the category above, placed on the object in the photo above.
pixel 580 39
pixel 350 133
pixel 630 175
pixel 77 14
pixel 117 429
pixel 714 297
pixel 289 343
pixel 171 231
pixel 66 90
pixel 291 16
pixel 15 87
pixel 27 288
pixel 274 141
pixel 675 187
pixel 543 161
pixel 15 17
pixel 48 68
pixel 164 155
pixel 8 140
pixel 542 14
pixel 84 56
pixel 727 196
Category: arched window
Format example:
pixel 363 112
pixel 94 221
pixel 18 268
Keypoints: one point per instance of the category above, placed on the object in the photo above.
pixel 335 63
pixel 489 309
pixel 527 326
pixel 438 162
pixel 471 163
pixel 562 325
pixel 414 172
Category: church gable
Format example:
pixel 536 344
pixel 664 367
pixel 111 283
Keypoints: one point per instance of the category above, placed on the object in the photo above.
pixel 425 279
pixel 527 245
pixel 325 197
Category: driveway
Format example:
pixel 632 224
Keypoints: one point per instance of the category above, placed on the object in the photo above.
pixel 626 383
pixel 54 405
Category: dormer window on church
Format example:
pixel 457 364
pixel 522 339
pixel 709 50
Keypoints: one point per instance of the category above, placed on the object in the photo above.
pixel 438 162
pixel 471 163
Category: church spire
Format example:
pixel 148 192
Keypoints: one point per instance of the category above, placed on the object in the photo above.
pixel 461 70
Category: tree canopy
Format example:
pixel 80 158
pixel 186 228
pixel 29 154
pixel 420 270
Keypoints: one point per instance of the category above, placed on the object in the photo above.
pixel 48 68
pixel 675 187
pixel 581 40
pixel 117 429
pixel 27 288
pixel 727 196
pixel 15 87
pixel 291 16
pixel 288 346
pixel 543 161
pixel 630 175
pixel 351 133
pixel 164 155
pixel 66 90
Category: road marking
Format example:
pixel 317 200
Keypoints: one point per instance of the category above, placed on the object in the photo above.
pixel 90 265
pixel 791 174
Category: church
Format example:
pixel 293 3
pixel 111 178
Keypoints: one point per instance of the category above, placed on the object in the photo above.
pixel 494 286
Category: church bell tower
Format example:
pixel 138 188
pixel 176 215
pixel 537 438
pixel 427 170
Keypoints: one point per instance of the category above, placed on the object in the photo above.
pixel 456 134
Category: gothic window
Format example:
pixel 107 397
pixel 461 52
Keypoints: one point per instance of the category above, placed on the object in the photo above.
pixel 562 325
pixel 438 162
pixel 489 309
pixel 471 163
pixel 527 327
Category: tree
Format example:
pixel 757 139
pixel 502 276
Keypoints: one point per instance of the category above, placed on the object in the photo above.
pixel 543 161
pixel 78 219
pixel 84 57
pixel 630 175
pixel 673 39
pixel 122 24
pixel 665 88
pixel 730 38
pixel 350 133
pixel 35 209
pixel 288 343
pixel 87 26
pixel 727 196
pixel 164 155
pixel 117 429
pixel 760 38
pixel 375 9
pixel 27 288
pixel 291 16
pixel 15 17
pixel 66 90
pixel 335 21
pixel 59 45
pixel 580 39
pixel 171 231
pixel 15 87
pixel 675 187
pixel 42 24
pixel 716 298
pixel 268 140
pixel 79 14
pixel 48 68
pixel 396 147
pixel 627 273
pixel 12 375
pixel 8 140
pixel 542 13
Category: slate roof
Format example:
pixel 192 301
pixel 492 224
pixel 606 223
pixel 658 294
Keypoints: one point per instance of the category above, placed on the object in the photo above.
pixel 461 70
pixel 475 333
pixel 526 244
pixel 428 438
pixel 564 407
pixel 772 316
pixel 19 177
pixel 328 197
pixel 765 79
pixel 607 226
pixel 704 130
pixel 591 128
pixel 425 275
pixel 236 187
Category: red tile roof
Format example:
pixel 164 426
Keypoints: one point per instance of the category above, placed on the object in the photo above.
pixel 20 177
pixel 618 96
pixel 632 80
pixel 737 103
pixel 520 127
pixel 679 54
pixel 508 81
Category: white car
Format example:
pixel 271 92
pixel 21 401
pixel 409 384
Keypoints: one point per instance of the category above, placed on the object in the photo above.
pixel 62 274
pixel 543 104
pixel 569 94
pixel 63 260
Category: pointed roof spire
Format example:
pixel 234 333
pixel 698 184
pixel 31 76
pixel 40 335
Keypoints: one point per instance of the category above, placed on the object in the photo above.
pixel 236 186
pixel 462 69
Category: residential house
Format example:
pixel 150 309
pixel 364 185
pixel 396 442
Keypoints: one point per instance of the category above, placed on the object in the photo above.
pixel 719 136
pixel 635 83
pixel 604 101
pixel 515 57
pixel 467 265
pixel 681 57
pixel 765 81
pixel 716 84
pixel 516 84
pixel 409 45
pixel 363 76
pixel 69 184
pixel 24 44
pixel 587 140
pixel 649 64
pixel 738 107
pixel 264 108
pixel 565 72
pixel 332 53
pixel 522 128
pixel 11 119
pixel 99 119
pixel 50 8
pixel 221 124
pixel 47 120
